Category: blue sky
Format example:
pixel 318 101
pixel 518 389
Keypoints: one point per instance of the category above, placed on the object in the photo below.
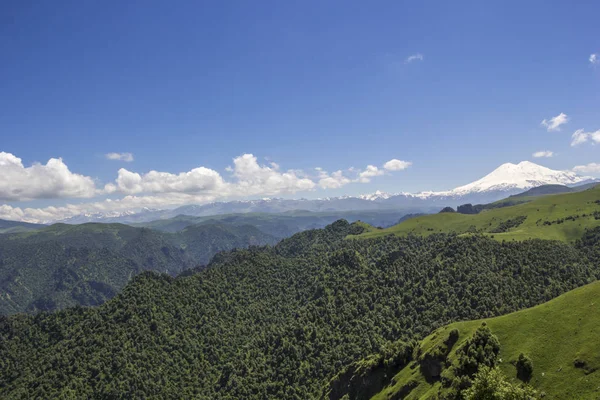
pixel 183 85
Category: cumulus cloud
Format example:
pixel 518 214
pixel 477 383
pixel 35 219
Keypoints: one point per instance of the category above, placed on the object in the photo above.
pixel 334 181
pixel 127 157
pixel 594 60
pixel 39 181
pixel 591 168
pixel 396 165
pixel 108 206
pixel 337 179
pixel 554 123
pixel 254 179
pixel 543 153
pixel 580 136
pixel 157 189
pixel 414 57
pixel 250 178
pixel 369 172
pixel 195 181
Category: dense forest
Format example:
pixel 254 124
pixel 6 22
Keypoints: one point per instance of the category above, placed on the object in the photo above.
pixel 66 265
pixel 281 321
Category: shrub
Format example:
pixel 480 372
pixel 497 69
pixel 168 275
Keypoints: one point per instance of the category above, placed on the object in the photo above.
pixel 524 368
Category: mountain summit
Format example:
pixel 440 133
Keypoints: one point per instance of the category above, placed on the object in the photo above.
pixel 524 175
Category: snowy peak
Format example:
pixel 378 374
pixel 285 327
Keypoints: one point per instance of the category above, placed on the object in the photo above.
pixel 378 195
pixel 524 175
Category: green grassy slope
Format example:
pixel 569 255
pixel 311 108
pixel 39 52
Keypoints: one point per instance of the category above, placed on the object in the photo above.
pixel 557 217
pixel 554 335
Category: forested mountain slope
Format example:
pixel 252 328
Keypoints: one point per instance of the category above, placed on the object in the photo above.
pixel 559 217
pixel 279 322
pixel 65 265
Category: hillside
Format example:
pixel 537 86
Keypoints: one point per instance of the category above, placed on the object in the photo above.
pixel 17 226
pixel 545 190
pixel 560 338
pixel 65 265
pixel 558 217
pixel 278 322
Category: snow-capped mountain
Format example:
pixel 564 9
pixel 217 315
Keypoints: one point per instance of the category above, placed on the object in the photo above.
pixel 521 176
pixel 504 181
pixel 378 195
pixel 506 178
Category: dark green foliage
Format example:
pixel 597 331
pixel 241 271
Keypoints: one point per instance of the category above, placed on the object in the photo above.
pixel 452 338
pixel 480 350
pixel 490 384
pixel 524 367
pixel 505 226
pixel 447 210
pixel 278 322
pixel 65 265
pixel 365 378
pixel 467 209
pixel 432 363
pixel 477 208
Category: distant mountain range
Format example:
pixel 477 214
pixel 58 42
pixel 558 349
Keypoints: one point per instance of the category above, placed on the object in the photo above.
pixel 17 226
pixel 508 179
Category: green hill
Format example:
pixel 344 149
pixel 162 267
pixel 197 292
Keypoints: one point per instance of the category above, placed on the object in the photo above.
pixel 558 217
pixel 65 265
pixel 560 337
pixel 544 190
pixel 279 322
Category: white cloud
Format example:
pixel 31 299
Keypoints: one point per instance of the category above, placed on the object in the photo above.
pixel 396 165
pixel 554 123
pixel 543 153
pixel 50 181
pixel 156 189
pixel 580 136
pixel 370 172
pixel 594 59
pixel 591 168
pixel 127 203
pixel 254 179
pixel 127 157
pixel 334 181
pixel 197 180
pixel 414 57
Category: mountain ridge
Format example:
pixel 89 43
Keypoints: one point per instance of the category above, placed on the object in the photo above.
pixel 505 180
